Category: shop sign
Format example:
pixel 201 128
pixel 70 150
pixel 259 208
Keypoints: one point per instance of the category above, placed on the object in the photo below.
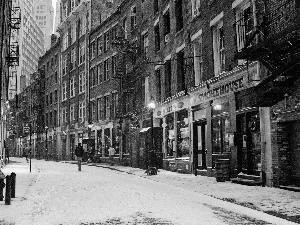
pixel 237 82
pixel 222 89
pixel 174 107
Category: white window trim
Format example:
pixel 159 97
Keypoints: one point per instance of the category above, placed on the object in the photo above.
pixel 217 19
pixel 196 35
pixel 180 48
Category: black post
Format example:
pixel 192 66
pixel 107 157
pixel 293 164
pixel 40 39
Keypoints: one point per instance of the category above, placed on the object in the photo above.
pixel 46 157
pixel 8 190
pixel 152 146
pixel 13 185
pixel 30 147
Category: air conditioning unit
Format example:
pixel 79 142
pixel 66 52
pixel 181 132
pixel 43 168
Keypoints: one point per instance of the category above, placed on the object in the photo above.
pixel 167 38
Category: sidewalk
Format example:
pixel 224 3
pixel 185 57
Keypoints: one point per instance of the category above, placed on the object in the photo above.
pixel 273 201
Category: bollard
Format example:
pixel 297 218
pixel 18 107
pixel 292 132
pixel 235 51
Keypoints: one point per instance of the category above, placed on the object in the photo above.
pixel 13 185
pixel 2 185
pixel 8 190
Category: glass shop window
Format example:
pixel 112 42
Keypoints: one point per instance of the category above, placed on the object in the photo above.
pixel 170 135
pixel 220 128
pixel 183 134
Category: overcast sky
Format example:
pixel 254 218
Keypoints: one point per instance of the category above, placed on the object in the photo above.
pixel 54 4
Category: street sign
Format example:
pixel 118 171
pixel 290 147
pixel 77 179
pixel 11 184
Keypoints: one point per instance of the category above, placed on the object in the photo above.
pixel 26 128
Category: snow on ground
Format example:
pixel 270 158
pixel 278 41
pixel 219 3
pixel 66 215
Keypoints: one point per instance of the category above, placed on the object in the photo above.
pixel 56 193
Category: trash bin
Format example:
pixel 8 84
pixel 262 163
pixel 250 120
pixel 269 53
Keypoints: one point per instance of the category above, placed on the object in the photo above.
pixel 222 172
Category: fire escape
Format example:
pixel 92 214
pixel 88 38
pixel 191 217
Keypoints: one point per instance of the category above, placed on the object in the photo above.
pixel 15 22
pixel 275 43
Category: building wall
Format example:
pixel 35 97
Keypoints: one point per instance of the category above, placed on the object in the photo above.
pixel 44 15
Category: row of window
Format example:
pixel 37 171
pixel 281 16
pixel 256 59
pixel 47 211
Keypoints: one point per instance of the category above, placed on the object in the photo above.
pixel 51 119
pixel 69 37
pixel 72 85
pixel 103 108
pixel 52 63
pixel 51 98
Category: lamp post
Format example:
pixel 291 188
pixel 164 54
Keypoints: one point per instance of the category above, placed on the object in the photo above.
pixel 30 149
pixel 46 144
pixel 151 106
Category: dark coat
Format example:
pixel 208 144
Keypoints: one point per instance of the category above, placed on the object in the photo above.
pixel 79 151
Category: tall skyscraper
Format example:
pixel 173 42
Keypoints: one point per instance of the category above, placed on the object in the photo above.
pixel 44 15
pixel 57 15
pixel 30 39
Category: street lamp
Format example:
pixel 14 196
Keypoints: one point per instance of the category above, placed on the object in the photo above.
pixel 151 106
pixel 46 144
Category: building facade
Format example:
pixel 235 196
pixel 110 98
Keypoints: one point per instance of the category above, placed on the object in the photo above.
pixel 31 46
pixel 49 65
pixel 44 16
pixel 5 30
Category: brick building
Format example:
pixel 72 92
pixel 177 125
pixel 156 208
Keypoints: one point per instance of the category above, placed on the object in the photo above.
pixel 119 80
pixel 49 67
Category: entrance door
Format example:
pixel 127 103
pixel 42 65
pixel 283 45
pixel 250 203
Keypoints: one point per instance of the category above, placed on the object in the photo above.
pixel 294 155
pixel 199 147
pixel 249 148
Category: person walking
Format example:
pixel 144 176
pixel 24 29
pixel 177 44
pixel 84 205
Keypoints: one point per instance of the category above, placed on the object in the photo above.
pixel 111 152
pixel 26 152
pixel 79 154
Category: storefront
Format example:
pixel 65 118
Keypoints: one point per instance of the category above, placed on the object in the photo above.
pixel 224 129
pixel 176 134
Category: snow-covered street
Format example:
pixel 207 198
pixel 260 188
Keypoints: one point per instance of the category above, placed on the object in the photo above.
pixel 57 193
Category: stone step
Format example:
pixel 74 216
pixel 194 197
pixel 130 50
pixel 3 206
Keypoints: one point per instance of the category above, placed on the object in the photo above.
pixel 248 177
pixel 246 182
pixel 290 188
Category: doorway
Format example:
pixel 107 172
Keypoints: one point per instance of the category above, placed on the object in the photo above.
pixel 199 146
pixel 249 143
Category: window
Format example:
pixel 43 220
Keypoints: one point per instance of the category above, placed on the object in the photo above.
pixel 168 78
pixel 64 65
pixel 100 45
pixel 106 41
pixel 220 128
pixel 81 111
pixel 81 53
pixel 81 82
pixel 56 60
pixel 133 17
pixel 145 45
pixel 47 102
pixel 72 112
pixel 51 99
pixel 106 70
pixel 157 37
pixel 73 4
pixel 73 34
pixel 196 7
pixel 65 9
pixel 72 87
pixel 93 49
pixel 100 108
pixel 55 96
pixel 179 15
pixel 114 103
pixel 155 6
pixel 244 24
pixel 114 32
pixel 73 59
pixel 106 107
pixel 167 23
pixel 64 115
pixel 65 41
pixel 93 77
pixel 218 48
pixel 124 24
pixel 82 25
pixel 100 72
pixel 113 65
pixel 55 77
pixel 54 118
pixel 64 91
pixel 198 61
pixel 181 85
pixel 158 84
